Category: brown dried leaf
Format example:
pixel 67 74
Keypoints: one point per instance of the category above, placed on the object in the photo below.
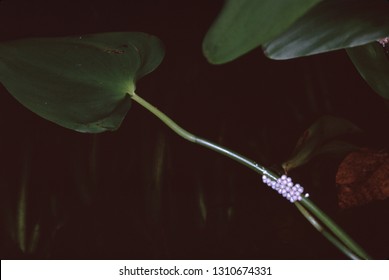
pixel 362 177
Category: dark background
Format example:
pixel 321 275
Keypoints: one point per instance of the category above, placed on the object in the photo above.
pixel 144 193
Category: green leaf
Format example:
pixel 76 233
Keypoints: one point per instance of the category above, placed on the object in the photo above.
pixel 319 139
pixel 81 83
pixel 332 25
pixel 243 25
pixel 372 63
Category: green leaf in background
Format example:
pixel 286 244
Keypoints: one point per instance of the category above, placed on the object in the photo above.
pixel 82 82
pixel 243 25
pixel 319 139
pixel 372 63
pixel 332 25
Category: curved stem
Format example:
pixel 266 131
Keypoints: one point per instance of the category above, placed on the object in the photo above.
pixel 348 247
pixel 164 118
pixel 203 142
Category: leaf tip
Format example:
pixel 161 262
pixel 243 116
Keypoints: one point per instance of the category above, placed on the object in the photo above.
pixel 210 52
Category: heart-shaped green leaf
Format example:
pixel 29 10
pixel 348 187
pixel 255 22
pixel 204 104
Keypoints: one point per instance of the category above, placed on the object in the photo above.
pixel 319 139
pixel 372 63
pixel 332 25
pixel 82 83
pixel 243 25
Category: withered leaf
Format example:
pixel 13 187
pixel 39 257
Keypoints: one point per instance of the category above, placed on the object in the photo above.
pixel 362 177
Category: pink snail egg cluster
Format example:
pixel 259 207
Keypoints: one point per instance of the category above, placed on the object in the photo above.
pixel 285 187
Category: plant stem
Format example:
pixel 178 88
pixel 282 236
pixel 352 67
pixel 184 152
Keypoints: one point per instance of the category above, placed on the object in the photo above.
pixel 348 247
pixel 203 142
pixel 343 236
pixel 325 233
